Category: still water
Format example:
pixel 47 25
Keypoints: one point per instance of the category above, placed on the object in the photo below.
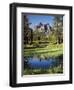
pixel 37 63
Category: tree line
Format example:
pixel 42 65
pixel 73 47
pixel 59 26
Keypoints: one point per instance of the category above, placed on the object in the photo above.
pixel 55 35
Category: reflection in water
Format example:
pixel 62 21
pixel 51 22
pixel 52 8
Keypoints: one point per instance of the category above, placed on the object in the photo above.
pixel 37 63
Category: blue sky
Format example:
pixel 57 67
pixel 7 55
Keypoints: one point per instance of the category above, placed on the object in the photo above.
pixel 36 19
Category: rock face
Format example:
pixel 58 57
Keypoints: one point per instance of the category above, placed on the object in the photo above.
pixel 41 31
pixel 43 27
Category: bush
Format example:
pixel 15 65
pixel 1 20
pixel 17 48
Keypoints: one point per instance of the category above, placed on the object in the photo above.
pixel 35 43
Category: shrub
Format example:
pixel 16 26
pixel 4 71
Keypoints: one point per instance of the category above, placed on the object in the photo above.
pixel 35 43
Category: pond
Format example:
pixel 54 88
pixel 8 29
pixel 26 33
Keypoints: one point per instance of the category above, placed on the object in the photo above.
pixel 37 63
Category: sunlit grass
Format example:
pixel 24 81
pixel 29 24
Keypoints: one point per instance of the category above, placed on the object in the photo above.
pixel 51 50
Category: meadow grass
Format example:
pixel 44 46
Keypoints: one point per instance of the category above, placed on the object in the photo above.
pixel 51 50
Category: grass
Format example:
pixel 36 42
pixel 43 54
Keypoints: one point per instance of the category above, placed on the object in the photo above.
pixel 54 70
pixel 51 50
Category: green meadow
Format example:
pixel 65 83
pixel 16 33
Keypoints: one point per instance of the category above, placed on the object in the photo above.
pixel 51 50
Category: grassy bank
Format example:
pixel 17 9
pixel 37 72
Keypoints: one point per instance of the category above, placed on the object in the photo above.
pixel 51 50
pixel 54 70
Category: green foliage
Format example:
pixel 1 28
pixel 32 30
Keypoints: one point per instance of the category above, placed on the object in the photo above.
pixel 58 28
pixel 52 38
pixel 35 43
